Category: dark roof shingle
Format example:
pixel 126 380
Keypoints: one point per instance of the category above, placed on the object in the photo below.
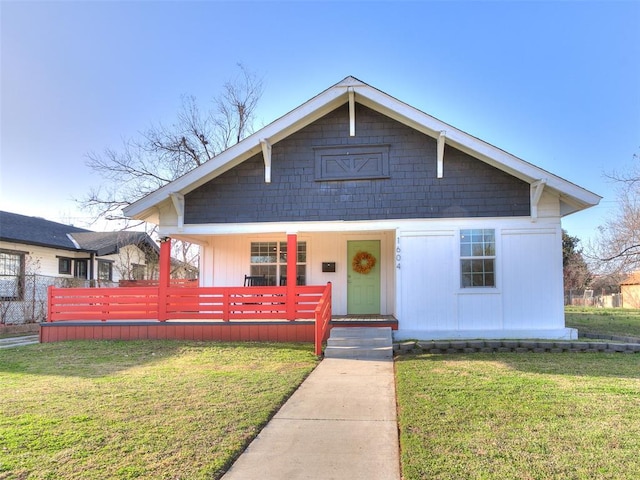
pixel 36 231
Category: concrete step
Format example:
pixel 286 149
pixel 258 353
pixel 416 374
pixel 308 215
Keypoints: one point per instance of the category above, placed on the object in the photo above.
pixel 360 342
pixel 358 352
pixel 361 332
pixel 18 341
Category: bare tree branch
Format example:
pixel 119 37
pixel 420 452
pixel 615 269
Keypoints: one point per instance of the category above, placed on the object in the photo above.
pixel 162 153
pixel 617 247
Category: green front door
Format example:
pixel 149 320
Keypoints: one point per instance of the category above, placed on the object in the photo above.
pixel 363 278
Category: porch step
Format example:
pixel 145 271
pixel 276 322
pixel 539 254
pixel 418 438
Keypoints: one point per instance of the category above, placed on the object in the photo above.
pixel 360 342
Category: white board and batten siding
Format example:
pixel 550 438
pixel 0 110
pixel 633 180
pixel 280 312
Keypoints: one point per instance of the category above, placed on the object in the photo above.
pixel 420 276
pixel 526 302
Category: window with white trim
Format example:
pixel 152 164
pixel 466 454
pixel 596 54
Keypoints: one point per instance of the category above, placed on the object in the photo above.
pixel 478 258
pixel 105 270
pixel 12 270
pixel 269 259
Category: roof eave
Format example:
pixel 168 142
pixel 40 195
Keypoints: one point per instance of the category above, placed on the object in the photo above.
pixel 577 197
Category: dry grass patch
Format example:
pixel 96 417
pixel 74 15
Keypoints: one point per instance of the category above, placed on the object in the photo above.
pixel 149 410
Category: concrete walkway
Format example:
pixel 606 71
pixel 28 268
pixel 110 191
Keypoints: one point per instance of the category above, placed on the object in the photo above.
pixel 10 342
pixel 340 424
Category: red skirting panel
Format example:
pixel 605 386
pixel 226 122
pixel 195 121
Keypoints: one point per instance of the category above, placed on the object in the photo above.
pixel 299 331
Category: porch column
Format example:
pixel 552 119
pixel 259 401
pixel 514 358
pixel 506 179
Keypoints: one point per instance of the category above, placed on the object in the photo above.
pixel 292 259
pixel 164 277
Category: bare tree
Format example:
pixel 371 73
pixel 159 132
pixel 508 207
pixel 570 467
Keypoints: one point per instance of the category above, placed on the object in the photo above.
pixel 617 246
pixel 163 153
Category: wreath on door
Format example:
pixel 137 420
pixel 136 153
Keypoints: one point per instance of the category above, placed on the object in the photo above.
pixel 363 262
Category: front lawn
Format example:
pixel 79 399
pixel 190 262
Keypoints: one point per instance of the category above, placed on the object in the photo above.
pixel 605 321
pixel 148 410
pixel 519 416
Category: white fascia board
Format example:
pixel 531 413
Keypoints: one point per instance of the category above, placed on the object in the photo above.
pixel 399 225
pixel 279 227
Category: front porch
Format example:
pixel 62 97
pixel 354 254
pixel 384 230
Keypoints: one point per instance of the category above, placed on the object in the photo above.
pixel 280 314
pixel 167 309
pixel 202 330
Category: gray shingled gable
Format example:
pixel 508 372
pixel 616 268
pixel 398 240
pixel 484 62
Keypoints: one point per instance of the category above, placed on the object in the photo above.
pixel 572 197
pixel 469 188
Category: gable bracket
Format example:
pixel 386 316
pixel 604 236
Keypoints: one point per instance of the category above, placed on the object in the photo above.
pixel 352 112
pixel 178 204
pixel 266 154
pixel 537 188
pixel 441 141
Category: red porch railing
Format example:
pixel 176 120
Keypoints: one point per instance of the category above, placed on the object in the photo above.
pixel 140 303
pixel 175 282
pixel 322 319
pixel 242 303
pixel 194 303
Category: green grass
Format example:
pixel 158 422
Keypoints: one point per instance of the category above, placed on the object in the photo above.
pixel 147 410
pixel 519 416
pixel 606 321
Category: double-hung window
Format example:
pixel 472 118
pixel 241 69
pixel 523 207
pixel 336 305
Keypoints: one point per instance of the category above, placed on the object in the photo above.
pixel 81 269
pixel 477 258
pixel 105 270
pixel 12 270
pixel 64 265
pixel 269 259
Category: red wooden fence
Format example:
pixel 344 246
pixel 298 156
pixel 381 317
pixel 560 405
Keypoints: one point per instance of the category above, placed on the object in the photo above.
pixel 172 303
pixel 323 318
pixel 140 303
pixel 175 282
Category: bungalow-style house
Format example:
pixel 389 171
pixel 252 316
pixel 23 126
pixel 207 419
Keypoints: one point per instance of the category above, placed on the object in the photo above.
pixel 48 253
pixel 407 217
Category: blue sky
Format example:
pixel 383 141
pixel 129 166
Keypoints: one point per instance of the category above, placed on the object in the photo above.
pixel 554 83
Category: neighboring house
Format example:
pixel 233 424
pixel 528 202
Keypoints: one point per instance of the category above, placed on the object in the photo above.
pixel 35 253
pixel 630 291
pixel 405 215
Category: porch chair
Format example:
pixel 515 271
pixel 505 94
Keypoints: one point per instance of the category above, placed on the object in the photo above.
pixel 255 281
pixel 283 281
